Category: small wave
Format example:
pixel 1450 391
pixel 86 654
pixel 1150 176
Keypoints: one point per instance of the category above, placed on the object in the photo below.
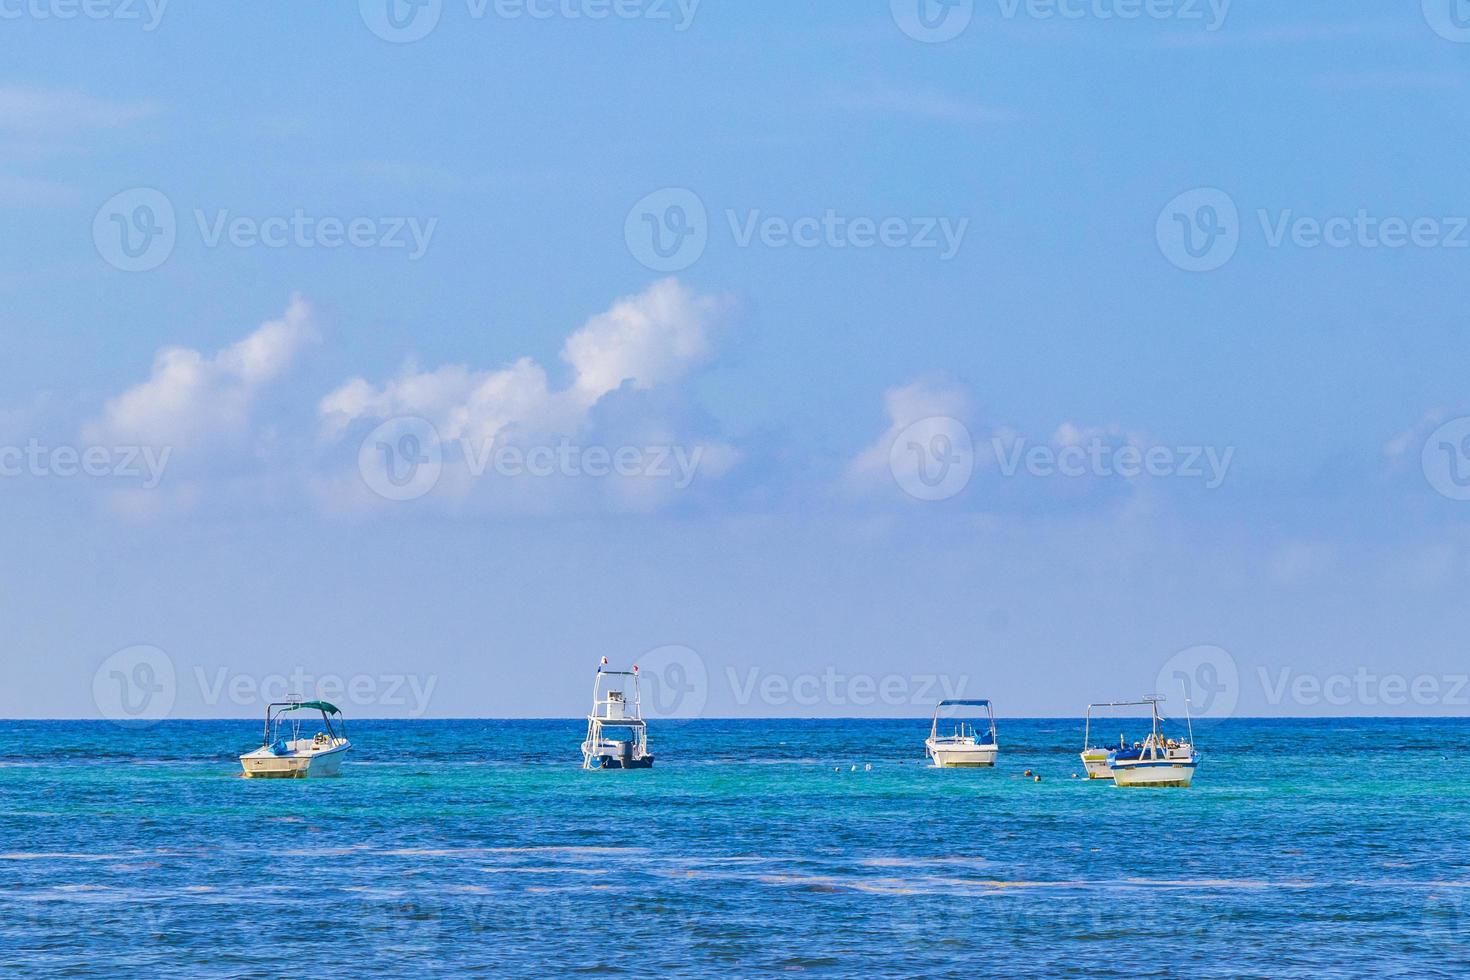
pixel 545 871
pixel 921 862
pixel 62 856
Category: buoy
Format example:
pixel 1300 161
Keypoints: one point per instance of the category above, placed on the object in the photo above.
pixel 853 769
pixel 1036 778
pixel 1028 772
pixel 868 767
pixel 1074 775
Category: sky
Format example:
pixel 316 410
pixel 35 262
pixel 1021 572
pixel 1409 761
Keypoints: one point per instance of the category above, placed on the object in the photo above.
pixel 822 360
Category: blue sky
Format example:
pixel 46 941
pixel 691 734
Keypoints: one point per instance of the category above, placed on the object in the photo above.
pixel 854 504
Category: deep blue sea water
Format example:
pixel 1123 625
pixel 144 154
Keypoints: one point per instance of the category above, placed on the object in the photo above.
pixel 1305 848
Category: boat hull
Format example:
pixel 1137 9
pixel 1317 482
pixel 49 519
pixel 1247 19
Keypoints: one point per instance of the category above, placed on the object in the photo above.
pixel 613 762
pixel 262 764
pixel 1095 761
pixel 963 756
pixel 1154 774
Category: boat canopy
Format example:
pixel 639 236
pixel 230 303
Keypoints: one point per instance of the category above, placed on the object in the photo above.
pixel 325 706
pixel 978 703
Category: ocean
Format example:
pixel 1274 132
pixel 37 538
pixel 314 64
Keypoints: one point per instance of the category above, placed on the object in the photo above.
pixel 1304 848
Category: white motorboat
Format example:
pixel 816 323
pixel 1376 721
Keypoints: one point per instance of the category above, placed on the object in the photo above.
pixel 1095 757
pixel 287 753
pixel 617 736
pixel 1158 760
pixel 967 745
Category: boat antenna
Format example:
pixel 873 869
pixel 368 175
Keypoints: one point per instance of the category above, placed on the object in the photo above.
pixel 1188 717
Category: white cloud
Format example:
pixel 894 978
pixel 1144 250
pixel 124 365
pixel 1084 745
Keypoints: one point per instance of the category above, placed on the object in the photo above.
pixel 906 405
pixel 18 191
pixel 650 339
pixel 39 124
pixel 190 398
pixel 646 341
pixel 934 430
pixel 1411 440
pixel 31 110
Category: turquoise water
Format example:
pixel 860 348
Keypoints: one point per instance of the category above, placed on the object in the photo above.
pixel 1304 848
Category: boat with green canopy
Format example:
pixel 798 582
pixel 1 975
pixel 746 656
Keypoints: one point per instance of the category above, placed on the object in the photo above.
pixel 287 752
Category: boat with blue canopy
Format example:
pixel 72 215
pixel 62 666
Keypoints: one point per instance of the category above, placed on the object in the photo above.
pixel 970 743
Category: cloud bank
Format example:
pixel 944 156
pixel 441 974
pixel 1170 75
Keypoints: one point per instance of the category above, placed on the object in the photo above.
pixel 191 399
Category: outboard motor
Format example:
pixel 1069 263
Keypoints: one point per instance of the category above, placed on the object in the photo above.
pixel 625 753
